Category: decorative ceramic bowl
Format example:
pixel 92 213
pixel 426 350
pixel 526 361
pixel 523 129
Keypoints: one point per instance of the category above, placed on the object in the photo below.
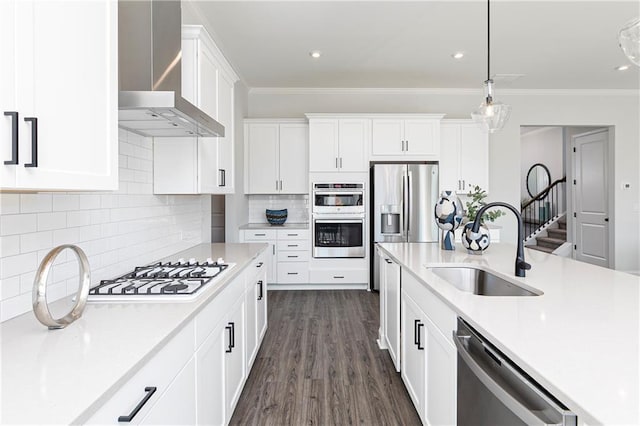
pixel 276 217
pixel 475 242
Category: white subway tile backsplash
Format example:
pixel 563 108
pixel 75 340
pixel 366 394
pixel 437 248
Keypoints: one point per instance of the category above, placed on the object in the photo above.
pixel 15 224
pixel 50 221
pixel 35 203
pixel 297 207
pixel 9 203
pixel 117 230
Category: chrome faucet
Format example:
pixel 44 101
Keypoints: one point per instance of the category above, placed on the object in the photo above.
pixel 521 265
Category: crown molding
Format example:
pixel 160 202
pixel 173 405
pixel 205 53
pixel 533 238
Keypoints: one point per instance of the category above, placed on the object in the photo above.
pixel 436 91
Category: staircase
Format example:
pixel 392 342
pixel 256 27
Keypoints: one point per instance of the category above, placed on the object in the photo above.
pixel 554 239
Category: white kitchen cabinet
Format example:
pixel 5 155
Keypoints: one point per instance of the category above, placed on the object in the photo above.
pixel 199 165
pixel 65 140
pixel 143 395
pixel 276 157
pixel 177 405
pixel 234 363
pixel 391 322
pixel 338 144
pixel 417 137
pixel 256 305
pixel 464 157
pixel 210 369
pixel 429 356
pixel 413 353
pixel 268 236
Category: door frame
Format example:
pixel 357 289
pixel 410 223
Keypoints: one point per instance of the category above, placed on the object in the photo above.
pixel 610 188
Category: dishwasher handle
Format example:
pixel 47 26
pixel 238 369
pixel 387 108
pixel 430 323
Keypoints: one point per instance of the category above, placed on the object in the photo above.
pixel 510 400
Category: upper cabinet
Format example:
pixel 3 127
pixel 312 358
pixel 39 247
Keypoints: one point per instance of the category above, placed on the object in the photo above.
pixel 416 136
pixel 276 156
pixel 200 165
pixel 338 144
pixel 58 95
pixel 464 157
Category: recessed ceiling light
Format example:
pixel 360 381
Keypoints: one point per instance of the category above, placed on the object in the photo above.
pixel 315 54
pixel 458 55
pixel 622 68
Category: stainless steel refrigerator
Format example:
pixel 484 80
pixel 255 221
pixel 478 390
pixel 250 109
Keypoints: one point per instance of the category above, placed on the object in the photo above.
pixel 403 197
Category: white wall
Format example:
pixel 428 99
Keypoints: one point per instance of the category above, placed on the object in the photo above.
pixel 544 146
pixel 530 108
pixel 117 230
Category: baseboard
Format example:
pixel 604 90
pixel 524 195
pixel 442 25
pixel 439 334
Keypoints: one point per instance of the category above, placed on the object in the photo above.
pixel 381 345
pixel 317 286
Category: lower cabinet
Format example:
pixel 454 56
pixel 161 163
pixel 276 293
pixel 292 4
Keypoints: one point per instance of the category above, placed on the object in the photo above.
pixel 198 376
pixel 390 285
pixel 429 357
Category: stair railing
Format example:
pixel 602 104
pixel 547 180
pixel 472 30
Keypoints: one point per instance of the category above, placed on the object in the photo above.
pixel 544 207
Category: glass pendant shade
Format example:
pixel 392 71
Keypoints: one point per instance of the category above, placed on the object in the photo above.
pixel 491 116
pixel 629 39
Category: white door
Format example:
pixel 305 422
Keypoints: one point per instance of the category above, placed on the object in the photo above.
pixel 225 144
pixel 68 81
pixel 392 302
pixel 413 352
pixel 177 405
pixel 323 145
pixel 294 172
pixel 387 137
pixel 207 172
pixel 474 157
pixel 235 367
pixel 210 368
pixel 353 143
pixel 441 390
pixel 207 91
pixel 422 137
pixel 263 158
pixel 7 94
pixel 251 305
pixel 591 197
pixel 262 306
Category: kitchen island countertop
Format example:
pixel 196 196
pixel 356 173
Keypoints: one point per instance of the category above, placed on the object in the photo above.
pixel 62 376
pixel 580 339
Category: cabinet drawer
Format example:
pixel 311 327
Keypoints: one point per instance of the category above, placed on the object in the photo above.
pixel 293 245
pixel 293 234
pixel 293 273
pixel 335 276
pixel 259 234
pixel 293 256
pixel 158 372
pixel 442 316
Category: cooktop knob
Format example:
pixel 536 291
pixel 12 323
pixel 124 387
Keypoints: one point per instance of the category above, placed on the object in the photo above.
pixel 209 261
pixel 220 261
pixel 181 261
pixel 192 261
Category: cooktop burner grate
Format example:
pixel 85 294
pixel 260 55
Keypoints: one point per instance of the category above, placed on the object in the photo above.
pixel 160 279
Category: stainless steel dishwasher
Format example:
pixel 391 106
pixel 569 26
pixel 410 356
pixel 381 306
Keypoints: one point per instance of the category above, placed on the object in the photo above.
pixel 492 390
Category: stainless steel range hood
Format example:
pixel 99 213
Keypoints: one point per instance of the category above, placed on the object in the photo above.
pixel 150 73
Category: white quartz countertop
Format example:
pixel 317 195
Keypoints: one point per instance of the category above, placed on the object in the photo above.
pixel 286 225
pixel 580 339
pixel 62 376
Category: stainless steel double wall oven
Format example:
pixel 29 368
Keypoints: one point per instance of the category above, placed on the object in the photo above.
pixel 338 220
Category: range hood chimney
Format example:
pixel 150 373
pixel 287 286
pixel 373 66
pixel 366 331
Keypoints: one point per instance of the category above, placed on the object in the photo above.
pixel 150 73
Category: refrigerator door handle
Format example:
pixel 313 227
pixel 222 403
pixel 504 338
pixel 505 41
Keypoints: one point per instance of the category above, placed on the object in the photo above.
pixel 409 195
pixel 405 205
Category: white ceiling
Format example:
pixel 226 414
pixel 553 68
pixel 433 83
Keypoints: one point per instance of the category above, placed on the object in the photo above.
pixel 398 44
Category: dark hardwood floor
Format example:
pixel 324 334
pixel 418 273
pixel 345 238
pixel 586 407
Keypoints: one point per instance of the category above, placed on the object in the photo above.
pixel 319 364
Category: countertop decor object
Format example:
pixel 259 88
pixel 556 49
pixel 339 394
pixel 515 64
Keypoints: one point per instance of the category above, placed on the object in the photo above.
pixel 449 214
pixel 491 116
pixel 276 217
pixel 40 307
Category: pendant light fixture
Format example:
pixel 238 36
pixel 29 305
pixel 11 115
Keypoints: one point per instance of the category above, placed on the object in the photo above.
pixel 491 115
pixel 629 39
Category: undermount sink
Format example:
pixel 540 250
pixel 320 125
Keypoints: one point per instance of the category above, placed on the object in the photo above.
pixel 482 283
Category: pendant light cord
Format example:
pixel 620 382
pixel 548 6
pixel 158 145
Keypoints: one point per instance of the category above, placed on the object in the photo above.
pixel 488 41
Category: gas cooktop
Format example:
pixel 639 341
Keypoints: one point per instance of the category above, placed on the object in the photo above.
pixel 168 281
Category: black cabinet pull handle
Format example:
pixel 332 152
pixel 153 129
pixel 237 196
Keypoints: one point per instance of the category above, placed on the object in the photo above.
pixel 338 276
pixel 223 177
pixel 415 331
pixel 420 347
pixel 292 273
pixel 233 334
pixel 229 347
pixel 259 235
pixel 260 290
pixel 388 261
pixel 34 141
pixel 292 257
pixel 150 390
pixel 292 245
pixel 259 265
pixel 14 137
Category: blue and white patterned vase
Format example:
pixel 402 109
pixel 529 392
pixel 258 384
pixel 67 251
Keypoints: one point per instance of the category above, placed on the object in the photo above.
pixel 475 242
pixel 448 213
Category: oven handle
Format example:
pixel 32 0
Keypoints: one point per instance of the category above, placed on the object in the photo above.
pixel 331 193
pixel 507 398
pixel 338 220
